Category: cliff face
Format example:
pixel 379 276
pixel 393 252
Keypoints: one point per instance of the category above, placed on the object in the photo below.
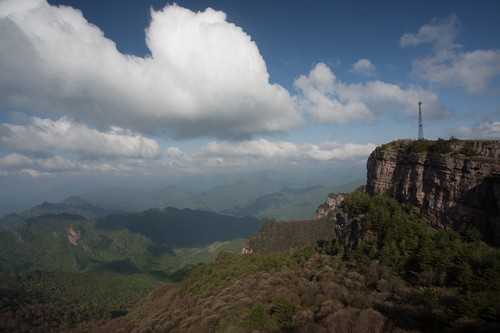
pixel 455 183
pixel 331 204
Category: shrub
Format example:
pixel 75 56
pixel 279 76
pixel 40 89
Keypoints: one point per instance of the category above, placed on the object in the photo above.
pixel 260 319
pixel 283 312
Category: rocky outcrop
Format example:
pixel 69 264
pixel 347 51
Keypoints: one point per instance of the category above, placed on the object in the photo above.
pixel 72 235
pixel 330 205
pixel 455 183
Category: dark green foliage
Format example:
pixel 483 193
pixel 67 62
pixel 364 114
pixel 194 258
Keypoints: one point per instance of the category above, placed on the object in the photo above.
pixel 50 301
pixel 181 227
pixel 281 236
pixel 276 317
pixel 429 257
pixel 260 319
pixel 283 312
pixel 329 247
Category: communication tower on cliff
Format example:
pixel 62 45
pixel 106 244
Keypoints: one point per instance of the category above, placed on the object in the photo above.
pixel 420 124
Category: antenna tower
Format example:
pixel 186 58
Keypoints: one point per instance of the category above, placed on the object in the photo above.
pixel 420 124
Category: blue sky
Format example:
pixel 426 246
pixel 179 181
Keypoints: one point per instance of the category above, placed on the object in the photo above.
pixel 156 88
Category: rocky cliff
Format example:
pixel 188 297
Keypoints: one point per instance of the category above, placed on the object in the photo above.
pixel 455 183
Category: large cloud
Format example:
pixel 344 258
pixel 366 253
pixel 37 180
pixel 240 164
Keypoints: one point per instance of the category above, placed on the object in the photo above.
pixel 331 100
pixel 205 76
pixel 66 136
pixel 449 65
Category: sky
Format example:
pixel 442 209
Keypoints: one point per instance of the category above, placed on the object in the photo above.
pixel 117 89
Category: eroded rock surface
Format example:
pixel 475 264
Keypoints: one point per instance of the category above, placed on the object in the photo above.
pixel 455 183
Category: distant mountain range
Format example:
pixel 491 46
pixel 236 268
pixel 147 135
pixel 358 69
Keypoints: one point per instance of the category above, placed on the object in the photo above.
pixel 257 195
pixel 51 237
pixel 71 205
pixel 80 235
pixel 263 198
pixel 290 203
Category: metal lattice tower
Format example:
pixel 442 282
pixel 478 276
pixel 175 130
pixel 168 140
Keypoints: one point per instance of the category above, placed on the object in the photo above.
pixel 420 124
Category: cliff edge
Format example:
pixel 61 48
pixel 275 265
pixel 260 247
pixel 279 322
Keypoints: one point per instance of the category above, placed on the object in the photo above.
pixel 454 183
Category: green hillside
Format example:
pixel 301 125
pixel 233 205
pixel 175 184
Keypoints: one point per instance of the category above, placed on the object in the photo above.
pixel 59 270
pixel 387 270
pixel 157 242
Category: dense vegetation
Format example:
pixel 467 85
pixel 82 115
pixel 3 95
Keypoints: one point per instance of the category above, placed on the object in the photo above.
pixel 281 236
pixel 458 274
pixel 45 302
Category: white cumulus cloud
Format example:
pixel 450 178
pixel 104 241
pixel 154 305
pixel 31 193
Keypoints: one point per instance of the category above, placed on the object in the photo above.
pixel 205 75
pixel 63 135
pixel 449 64
pixel 328 99
pixel 364 66
pixel 440 33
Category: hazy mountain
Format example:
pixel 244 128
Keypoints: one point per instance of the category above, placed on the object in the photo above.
pixel 71 205
pixel 290 203
pixel 214 198
pixel 258 195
